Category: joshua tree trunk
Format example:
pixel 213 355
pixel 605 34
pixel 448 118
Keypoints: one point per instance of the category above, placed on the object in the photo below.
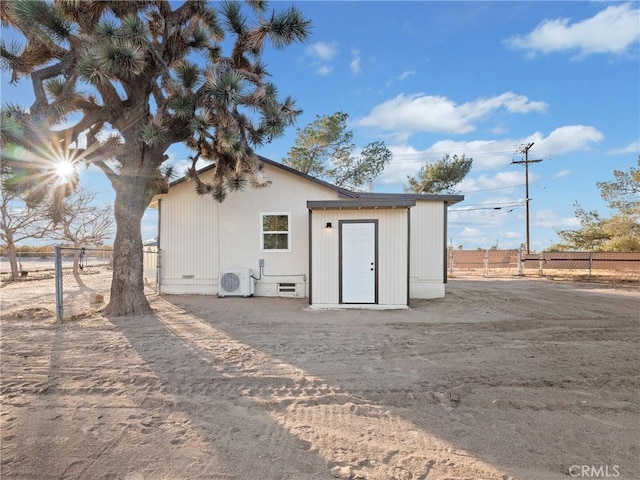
pixel 127 286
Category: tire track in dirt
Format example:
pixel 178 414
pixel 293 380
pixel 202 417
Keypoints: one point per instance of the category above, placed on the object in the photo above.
pixel 324 417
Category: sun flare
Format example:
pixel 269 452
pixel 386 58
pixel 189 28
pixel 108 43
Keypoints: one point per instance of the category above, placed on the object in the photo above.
pixel 65 170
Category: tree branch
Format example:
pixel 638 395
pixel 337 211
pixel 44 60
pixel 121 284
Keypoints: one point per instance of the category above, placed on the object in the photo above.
pixel 108 171
pixel 37 78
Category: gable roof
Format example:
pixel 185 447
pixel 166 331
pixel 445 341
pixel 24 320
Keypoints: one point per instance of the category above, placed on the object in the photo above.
pixel 341 191
pixel 398 198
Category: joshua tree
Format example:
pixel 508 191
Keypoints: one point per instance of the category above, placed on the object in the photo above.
pixel 116 83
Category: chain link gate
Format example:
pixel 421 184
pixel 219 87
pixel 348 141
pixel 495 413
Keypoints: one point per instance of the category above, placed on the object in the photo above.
pixel 83 280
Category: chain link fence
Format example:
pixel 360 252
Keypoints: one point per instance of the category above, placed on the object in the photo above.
pixel 623 266
pixel 83 278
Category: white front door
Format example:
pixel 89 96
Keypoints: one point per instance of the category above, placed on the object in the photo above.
pixel 358 257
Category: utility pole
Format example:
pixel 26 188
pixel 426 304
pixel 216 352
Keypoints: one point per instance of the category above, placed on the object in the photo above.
pixel 526 162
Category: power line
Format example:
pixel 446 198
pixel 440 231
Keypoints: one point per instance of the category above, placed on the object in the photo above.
pixel 509 205
pixel 493 204
pixel 473 153
pixel 488 189
pixel 526 163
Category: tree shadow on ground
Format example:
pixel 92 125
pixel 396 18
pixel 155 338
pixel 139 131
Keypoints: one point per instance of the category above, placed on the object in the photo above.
pixel 243 435
pixel 355 436
pixel 512 381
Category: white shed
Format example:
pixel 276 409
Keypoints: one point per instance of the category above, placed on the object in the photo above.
pixel 275 242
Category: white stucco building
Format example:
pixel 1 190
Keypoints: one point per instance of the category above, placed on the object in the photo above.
pixel 303 237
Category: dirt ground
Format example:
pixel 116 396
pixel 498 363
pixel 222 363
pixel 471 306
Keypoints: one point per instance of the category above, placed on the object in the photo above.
pixel 502 379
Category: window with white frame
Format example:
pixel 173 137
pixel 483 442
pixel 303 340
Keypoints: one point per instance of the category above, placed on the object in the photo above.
pixel 275 235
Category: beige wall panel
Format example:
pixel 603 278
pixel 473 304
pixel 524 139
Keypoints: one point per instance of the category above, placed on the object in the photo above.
pixel 237 245
pixel 427 241
pixel 325 257
pixel 392 254
pixel 427 250
pixel 241 213
pixel 188 242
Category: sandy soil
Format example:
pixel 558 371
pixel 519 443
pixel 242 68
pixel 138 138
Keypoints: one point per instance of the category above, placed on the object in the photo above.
pixel 502 379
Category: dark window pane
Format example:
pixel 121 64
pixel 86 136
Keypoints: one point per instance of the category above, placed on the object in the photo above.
pixel 276 241
pixel 275 223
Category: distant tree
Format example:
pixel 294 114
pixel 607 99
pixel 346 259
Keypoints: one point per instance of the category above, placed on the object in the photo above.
pixel 589 237
pixel 80 222
pixel 116 83
pixel 623 194
pixel 324 140
pixel 20 221
pixel 620 232
pixel 439 177
pixel 324 149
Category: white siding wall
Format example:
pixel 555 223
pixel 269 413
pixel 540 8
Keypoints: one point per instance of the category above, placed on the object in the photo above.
pixel 191 243
pixel 427 250
pixel 392 254
pixel 188 243
pixel 199 237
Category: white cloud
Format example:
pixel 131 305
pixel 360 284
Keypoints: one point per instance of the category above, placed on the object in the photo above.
pixel 571 138
pixel 470 233
pixel 322 51
pixel 355 62
pixel 484 228
pixel 550 219
pixel 613 30
pixel 403 76
pixel 486 154
pixel 489 155
pixel 510 235
pixel 562 173
pixel 508 182
pixel 633 147
pixel 499 130
pixel 437 114
pixel 407 160
pixel 324 70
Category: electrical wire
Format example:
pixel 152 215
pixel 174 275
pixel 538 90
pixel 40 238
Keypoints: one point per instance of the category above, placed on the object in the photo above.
pixel 489 207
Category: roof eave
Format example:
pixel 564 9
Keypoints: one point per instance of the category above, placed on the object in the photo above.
pixel 357 204
pixel 449 199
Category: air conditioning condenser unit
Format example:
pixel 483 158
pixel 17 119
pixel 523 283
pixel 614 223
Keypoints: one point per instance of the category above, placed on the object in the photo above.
pixel 236 282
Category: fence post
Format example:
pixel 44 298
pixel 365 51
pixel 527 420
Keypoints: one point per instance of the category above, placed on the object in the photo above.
pixel 450 261
pixel 158 271
pixel 590 262
pixel 58 281
pixel 485 261
pixel 520 266
pixel 541 265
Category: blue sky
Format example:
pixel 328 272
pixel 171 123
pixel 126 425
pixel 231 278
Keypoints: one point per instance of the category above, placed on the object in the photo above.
pixel 475 78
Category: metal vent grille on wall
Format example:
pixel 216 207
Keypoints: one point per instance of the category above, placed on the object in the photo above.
pixel 286 288
pixel 236 282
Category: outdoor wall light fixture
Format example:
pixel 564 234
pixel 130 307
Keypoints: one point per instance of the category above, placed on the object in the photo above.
pixel 329 225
